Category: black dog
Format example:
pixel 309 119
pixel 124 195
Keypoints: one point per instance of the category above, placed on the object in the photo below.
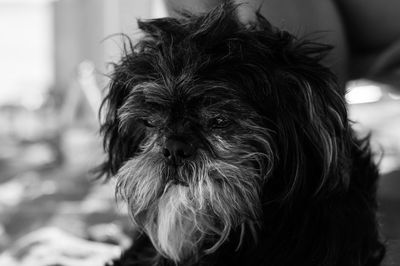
pixel 231 145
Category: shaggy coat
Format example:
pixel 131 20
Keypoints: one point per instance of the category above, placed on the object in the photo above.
pixel 278 177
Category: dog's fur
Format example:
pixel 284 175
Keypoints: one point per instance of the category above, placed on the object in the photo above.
pixel 277 177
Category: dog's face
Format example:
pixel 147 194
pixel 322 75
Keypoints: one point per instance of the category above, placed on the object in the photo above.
pixel 202 113
pixel 199 168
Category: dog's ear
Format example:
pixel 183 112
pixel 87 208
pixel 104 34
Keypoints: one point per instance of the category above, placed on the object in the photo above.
pixel 122 143
pixel 312 126
pixel 118 144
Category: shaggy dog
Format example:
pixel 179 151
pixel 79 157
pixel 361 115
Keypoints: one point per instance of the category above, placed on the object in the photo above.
pixel 231 145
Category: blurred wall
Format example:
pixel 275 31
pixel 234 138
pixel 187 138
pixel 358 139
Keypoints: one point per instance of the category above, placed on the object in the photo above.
pixel 80 31
pixel 26 63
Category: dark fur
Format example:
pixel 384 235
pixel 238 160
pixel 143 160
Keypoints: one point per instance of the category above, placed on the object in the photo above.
pixel 318 201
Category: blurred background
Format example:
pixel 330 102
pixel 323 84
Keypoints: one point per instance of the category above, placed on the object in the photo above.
pixel 54 55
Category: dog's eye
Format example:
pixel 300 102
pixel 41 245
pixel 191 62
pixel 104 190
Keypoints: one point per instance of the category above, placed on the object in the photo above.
pixel 149 122
pixel 219 121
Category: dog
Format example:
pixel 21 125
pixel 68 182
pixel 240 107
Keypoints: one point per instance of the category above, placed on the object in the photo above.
pixel 231 145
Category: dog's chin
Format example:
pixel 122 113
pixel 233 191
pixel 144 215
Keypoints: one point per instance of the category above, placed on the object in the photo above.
pixel 193 216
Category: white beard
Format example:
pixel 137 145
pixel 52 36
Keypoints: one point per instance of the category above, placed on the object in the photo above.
pixel 186 221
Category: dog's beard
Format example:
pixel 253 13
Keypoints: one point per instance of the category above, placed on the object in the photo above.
pixel 220 195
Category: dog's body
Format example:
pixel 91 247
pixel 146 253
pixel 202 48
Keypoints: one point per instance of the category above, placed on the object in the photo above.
pixel 231 145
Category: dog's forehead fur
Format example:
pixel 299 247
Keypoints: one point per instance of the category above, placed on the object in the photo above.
pixel 179 54
pixel 182 69
pixel 195 61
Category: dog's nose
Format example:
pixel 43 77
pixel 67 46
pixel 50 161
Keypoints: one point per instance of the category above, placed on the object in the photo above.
pixel 176 151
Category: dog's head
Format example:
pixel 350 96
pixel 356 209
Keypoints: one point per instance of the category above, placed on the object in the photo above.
pixel 207 118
